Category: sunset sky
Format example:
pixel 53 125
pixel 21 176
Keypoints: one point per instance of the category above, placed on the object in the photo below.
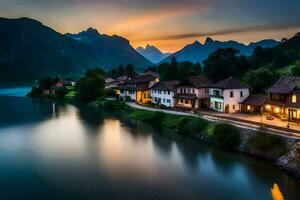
pixel 167 24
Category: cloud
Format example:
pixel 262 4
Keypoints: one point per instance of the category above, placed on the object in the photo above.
pixel 258 28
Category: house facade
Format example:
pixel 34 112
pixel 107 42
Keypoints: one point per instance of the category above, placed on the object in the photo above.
pixel 193 92
pixel 163 93
pixel 226 95
pixel 137 88
pixel 284 99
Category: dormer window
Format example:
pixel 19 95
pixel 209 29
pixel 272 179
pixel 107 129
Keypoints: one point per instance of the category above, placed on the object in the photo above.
pixel 294 99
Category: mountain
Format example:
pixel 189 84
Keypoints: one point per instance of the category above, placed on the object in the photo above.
pixel 30 50
pixel 152 53
pixel 111 51
pixel 197 52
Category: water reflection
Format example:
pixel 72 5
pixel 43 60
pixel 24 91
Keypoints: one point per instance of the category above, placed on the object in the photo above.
pixel 60 151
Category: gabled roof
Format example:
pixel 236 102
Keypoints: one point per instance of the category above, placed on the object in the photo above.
pixel 285 85
pixel 196 81
pixel 255 100
pixel 230 83
pixel 165 85
pixel 152 73
pixel 140 79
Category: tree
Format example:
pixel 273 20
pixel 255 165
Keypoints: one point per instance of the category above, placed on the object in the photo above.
pixel 261 79
pixel 120 70
pixel 129 70
pixel 222 64
pixel 91 86
pixel 295 71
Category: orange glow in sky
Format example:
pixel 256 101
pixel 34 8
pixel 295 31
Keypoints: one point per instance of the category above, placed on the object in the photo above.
pixel 169 25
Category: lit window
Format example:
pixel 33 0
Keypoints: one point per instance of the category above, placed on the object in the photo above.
pixel 248 107
pixel 294 98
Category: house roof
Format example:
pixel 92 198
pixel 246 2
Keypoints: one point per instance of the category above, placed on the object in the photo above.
pixel 165 85
pixel 285 85
pixel 196 81
pixel 152 73
pixel 254 100
pixel 142 86
pixel 140 79
pixel 230 83
pixel 109 80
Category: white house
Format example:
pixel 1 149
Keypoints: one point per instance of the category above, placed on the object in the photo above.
pixel 226 95
pixel 193 92
pixel 163 93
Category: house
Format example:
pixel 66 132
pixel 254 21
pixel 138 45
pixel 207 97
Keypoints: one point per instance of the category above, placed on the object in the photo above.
pixel 193 92
pixel 137 88
pixel 163 93
pixel 284 99
pixel 226 95
pixel 48 91
pixel 114 83
pixel 253 104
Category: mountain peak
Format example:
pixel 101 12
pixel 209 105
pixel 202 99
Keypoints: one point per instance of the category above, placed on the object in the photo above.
pixel 197 42
pixel 91 32
pixel 208 40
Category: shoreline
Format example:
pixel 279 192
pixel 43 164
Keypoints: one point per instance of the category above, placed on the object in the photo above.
pixel 289 162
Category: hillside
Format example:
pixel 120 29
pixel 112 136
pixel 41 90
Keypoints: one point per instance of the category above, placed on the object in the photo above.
pixel 111 51
pixel 30 50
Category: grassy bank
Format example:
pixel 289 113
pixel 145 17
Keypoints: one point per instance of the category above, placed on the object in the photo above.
pixel 221 134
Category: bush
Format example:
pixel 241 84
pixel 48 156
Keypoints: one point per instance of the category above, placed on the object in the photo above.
pixel 114 105
pixel 155 118
pixel 268 143
pixel 110 92
pixel 191 125
pixel 226 135
pixel 61 92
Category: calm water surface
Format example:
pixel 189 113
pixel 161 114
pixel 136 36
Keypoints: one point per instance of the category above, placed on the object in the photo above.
pixel 59 151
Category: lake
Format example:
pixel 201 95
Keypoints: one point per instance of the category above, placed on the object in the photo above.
pixel 54 150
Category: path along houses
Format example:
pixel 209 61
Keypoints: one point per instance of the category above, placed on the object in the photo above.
pixel 229 95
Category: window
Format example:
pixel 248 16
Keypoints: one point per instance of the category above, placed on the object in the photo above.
pixel 169 92
pixel 164 100
pixel 241 93
pixel 165 92
pixel 216 93
pixel 206 90
pixel 189 90
pixel 231 93
pixel 186 101
pixel 181 90
pixel 193 91
pixel 184 90
pixel 294 99
pixel 168 100
pixel 233 107
pixel 218 105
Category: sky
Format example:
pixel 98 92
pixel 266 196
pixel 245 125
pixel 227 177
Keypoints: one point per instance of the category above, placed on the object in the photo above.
pixel 167 24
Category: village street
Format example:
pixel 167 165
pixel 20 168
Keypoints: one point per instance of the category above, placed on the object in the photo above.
pixel 247 121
